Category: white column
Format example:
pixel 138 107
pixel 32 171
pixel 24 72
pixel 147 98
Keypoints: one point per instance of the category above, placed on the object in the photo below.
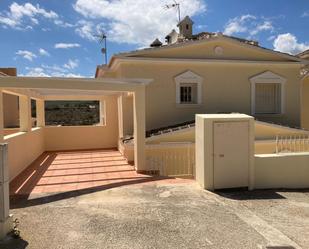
pixel 25 113
pixel 5 218
pixel 139 129
pixel 103 111
pixel 120 115
pixel 40 112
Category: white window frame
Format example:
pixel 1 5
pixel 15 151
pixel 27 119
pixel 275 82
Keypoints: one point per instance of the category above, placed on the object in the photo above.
pixel 189 77
pixel 272 78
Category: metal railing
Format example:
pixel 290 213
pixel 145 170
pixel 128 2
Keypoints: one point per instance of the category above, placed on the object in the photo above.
pixel 171 159
pixel 292 143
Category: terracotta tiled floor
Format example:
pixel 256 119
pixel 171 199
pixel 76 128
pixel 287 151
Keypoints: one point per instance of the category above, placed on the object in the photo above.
pixel 69 171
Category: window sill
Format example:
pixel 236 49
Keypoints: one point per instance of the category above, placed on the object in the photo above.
pixel 188 105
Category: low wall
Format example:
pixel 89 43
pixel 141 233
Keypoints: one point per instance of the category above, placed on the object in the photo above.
pixel 289 170
pixel 264 131
pixel 265 146
pixel 80 137
pixel 9 131
pixel 23 149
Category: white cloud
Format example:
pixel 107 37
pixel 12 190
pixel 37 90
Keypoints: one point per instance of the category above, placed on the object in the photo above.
pixel 35 72
pixel 26 54
pixel 43 52
pixel 134 21
pixel 67 45
pixel 71 64
pixel 49 71
pixel 288 43
pixel 17 14
pixel 86 30
pixel 248 24
pixel 266 25
pixel 238 24
pixel 305 14
pixel 63 24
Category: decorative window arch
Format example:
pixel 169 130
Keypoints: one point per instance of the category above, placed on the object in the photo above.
pixel 188 88
pixel 267 93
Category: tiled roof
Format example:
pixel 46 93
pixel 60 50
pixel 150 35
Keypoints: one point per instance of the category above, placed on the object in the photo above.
pixel 171 128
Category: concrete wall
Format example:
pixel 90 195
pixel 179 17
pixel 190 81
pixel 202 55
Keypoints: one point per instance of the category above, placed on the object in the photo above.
pixel 281 171
pixel 23 149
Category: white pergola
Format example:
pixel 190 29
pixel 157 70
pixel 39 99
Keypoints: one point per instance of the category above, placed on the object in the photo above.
pixel 42 89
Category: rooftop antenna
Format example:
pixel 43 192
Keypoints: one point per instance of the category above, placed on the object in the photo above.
pixel 102 40
pixel 174 5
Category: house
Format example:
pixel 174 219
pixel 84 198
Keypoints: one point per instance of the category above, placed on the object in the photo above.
pixel 210 73
pixel 148 102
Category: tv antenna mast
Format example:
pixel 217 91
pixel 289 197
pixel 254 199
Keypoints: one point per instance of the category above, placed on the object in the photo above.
pixel 172 6
pixel 102 40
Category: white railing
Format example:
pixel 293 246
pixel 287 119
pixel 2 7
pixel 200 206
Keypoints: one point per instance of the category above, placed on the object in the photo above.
pixel 171 159
pixel 292 143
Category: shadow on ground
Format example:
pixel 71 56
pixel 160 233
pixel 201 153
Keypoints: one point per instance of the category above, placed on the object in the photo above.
pixel 245 194
pixel 11 242
pixel 22 201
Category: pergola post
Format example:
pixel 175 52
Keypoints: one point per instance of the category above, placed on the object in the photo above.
pixel 139 129
pixel 25 113
pixel 40 112
pixel 120 115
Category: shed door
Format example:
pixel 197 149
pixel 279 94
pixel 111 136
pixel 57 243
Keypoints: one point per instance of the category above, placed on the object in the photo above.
pixel 231 154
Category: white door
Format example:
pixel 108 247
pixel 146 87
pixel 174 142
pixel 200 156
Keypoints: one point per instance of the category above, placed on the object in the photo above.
pixel 231 154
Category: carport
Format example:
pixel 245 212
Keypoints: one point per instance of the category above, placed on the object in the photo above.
pixel 22 148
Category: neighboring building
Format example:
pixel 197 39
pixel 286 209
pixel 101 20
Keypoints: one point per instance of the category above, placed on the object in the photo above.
pixel 210 73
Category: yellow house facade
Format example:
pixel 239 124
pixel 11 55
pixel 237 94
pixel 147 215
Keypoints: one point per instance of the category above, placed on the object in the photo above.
pixel 216 74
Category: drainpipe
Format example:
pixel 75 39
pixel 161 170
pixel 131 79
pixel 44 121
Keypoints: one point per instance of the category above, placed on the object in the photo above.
pixel 6 220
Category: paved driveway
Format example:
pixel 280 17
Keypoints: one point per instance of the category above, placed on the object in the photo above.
pixel 162 214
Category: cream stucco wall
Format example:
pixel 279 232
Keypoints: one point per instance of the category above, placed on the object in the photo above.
pixel 81 137
pixel 281 171
pixel 226 88
pixel 305 104
pixel 23 149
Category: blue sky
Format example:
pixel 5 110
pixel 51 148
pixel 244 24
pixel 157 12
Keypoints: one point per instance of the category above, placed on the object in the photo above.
pixel 56 38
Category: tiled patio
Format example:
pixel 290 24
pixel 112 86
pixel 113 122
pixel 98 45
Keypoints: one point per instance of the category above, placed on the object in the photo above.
pixel 55 172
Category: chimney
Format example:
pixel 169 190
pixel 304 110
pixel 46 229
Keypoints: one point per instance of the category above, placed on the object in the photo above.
pixel 185 27
pixel 156 43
